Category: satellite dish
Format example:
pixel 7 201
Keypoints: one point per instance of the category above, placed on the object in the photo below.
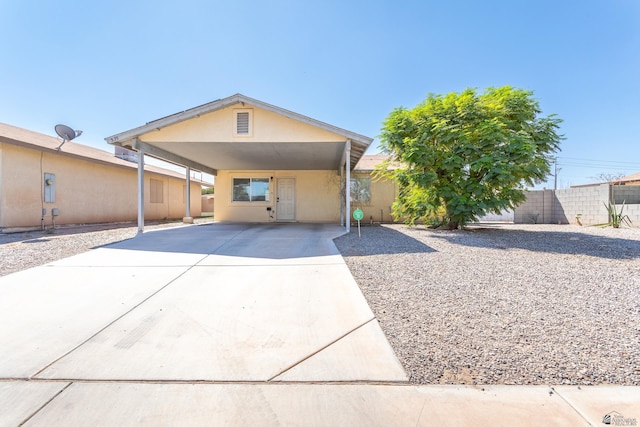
pixel 66 133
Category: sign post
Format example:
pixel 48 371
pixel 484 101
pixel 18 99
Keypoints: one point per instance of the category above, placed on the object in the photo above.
pixel 358 215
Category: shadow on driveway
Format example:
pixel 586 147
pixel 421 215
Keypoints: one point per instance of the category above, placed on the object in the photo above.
pixel 268 241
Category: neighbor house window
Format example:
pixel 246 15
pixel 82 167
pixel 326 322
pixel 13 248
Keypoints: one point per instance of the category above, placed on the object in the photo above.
pixel 243 122
pixel 156 191
pixel 250 189
pixel 361 190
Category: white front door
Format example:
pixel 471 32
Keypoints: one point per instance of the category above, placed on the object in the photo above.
pixel 286 199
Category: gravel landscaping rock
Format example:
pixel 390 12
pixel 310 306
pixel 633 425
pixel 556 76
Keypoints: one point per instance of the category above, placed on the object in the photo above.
pixel 505 304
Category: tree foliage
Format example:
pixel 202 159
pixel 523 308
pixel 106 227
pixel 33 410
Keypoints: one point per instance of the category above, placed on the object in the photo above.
pixel 464 155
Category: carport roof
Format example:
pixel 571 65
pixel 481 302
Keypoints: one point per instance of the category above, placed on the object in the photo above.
pixel 211 156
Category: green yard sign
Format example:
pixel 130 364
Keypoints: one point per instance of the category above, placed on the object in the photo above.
pixel 358 215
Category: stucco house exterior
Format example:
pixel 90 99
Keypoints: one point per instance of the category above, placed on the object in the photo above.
pixel 41 185
pixel 374 196
pixel 270 164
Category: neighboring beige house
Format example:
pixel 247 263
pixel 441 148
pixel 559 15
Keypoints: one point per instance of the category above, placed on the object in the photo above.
pixel 270 164
pixel 40 185
pixel 633 179
pixel 207 204
pixel 373 196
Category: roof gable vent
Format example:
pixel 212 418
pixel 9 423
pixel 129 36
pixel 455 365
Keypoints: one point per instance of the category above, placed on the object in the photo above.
pixel 242 123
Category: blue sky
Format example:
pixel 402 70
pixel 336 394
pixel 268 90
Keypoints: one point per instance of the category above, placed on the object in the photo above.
pixel 106 67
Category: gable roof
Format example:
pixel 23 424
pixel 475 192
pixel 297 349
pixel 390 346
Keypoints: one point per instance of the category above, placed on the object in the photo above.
pixel 369 162
pixel 37 141
pixel 634 177
pixel 129 138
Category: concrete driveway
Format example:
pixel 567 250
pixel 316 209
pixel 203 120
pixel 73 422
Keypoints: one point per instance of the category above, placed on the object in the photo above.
pixel 224 324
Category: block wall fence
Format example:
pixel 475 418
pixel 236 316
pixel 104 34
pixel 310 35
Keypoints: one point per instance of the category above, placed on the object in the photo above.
pixel 564 206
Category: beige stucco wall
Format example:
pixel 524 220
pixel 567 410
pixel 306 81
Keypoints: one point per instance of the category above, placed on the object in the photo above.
pixel 86 192
pixel 317 196
pixel 208 203
pixel 218 126
pixel 383 194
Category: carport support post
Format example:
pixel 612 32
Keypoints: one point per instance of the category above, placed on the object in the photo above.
pixel 187 216
pixel 341 198
pixel 347 184
pixel 140 190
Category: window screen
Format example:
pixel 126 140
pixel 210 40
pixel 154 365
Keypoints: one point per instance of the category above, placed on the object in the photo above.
pixel 361 190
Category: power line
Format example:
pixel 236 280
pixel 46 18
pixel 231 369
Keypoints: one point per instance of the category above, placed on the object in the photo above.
pixel 597 164
pixel 595 160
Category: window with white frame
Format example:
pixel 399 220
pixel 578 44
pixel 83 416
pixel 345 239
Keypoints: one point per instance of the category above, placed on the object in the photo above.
pixel 250 189
pixel 243 122
pixel 360 190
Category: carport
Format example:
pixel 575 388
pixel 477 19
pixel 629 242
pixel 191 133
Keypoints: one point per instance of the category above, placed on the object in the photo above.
pixel 239 133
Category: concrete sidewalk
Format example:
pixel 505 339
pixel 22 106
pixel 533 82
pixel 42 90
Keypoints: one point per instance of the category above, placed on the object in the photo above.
pixel 233 324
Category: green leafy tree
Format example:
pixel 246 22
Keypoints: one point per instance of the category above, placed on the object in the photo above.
pixel 466 154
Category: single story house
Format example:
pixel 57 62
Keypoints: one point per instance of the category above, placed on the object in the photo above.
pixel 633 179
pixel 43 183
pixel 372 195
pixel 270 164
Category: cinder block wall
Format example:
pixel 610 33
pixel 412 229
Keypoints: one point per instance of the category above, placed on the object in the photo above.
pixel 588 202
pixel 563 207
pixel 537 209
pixel 629 194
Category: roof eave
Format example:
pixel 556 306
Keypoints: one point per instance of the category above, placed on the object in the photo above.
pixel 129 135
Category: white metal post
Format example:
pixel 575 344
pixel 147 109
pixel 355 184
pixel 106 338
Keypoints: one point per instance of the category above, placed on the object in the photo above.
pixel 140 190
pixel 342 200
pixel 187 216
pixel 347 164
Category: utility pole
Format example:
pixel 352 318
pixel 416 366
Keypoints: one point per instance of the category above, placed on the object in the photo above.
pixel 555 187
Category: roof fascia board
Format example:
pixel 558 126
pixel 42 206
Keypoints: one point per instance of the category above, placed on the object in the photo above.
pixel 365 140
pixel 170 120
pixel 60 152
pixel 167 156
pixel 223 103
pixel 128 165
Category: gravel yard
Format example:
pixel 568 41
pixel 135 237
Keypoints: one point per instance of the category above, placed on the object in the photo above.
pixel 493 304
pixel 505 304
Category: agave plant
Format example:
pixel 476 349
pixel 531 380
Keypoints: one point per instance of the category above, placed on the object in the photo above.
pixel 617 217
